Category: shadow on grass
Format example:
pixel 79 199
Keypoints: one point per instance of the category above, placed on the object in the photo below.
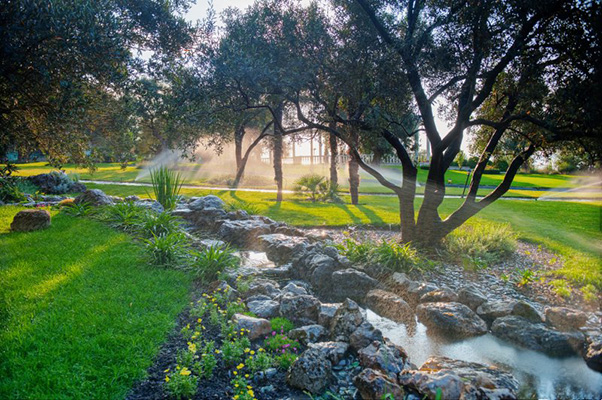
pixel 371 215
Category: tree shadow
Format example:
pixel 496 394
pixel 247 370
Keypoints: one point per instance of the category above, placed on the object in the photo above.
pixel 371 215
pixel 354 218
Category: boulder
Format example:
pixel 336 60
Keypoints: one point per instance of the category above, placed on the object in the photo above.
pixel 456 379
pixel 208 219
pixel 264 308
pixel 399 282
pixel 244 234
pixel 537 336
pixel 352 284
pixel 565 319
pixel 384 357
pixel 327 311
pixel 308 334
pixel 443 295
pixel 334 351
pixel 56 183
pixel 347 318
pixel 30 220
pixel 280 248
pixel 365 334
pixel 527 311
pixel 373 384
pixel 389 305
pixel 417 290
pixel 201 203
pixel 593 353
pixel 311 372
pixel 300 308
pixel 152 205
pixel 266 287
pixel 94 197
pixel 471 296
pixel 132 198
pixel 257 327
pixel 453 320
pixel 489 311
pixel 294 289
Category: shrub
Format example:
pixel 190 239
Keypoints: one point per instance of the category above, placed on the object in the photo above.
pixel 164 223
pixel 181 384
pixel 210 262
pixel 249 208
pixel 77 210
pixel 10 191
pixel 166 249
pixel 397 256
pixel 284 361
pixel 481 243
pixel 317 187
pixel 280 324
pixel 259 362
pixel 356 252
pixel 125 216
pixel 166 186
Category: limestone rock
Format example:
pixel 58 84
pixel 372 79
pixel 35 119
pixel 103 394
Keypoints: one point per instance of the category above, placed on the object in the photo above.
pixel 373 384
pixel 152 205
pixel 266 287
pixel 347 318
pixel 565 319
pixel 312 371
pixel 94 197
pixel 201 203
pixel 30 220
pixel 471 296
pixel 280 248
pixel 489 311
pixel 244 234
pixel 264 308
pixel 537 337
pixel 451 319
pixel 308 334
pixel 334 351
pixel 327 312
pixel 389 305
pixel 352 284
pixel 258 327
pixel 527 311
pixel 300 309
pixel 384 357
pixel 365 334
pixel 593 353
pixel 439 296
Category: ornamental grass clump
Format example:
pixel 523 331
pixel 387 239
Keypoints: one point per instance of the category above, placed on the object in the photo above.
pixel 212 261
pixel 166 250
pixel 166 186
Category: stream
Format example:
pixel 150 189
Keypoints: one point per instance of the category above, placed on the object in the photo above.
pixel 539 376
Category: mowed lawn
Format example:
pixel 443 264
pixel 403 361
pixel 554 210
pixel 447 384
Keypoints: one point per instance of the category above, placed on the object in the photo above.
pixel 82 315
pixel 261 176
pixel 571 229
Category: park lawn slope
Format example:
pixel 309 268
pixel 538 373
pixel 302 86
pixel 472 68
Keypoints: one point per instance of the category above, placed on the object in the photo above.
pixel 81 314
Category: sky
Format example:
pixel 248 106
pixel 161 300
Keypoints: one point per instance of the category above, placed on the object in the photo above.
pixel 199 11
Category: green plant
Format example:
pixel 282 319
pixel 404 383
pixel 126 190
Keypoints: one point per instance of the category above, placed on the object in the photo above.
pixel 242 389
pixel 210 262
pixel 355 251
pixel 309 185
pixel 185 358
pixel 233 352
pixel 181 384
pixel 164 223
pixel 125 216
pixel 397 256
pixel 10 191
pixel 167 249
pixel 285 360
pixel 282 325
pixel 78 210
pixel 280 343
pixel 166 186
pixel 590 293
pixel 259 361
pixel 561 287
pixel 483 242
pixel 249 208
pixel 525 276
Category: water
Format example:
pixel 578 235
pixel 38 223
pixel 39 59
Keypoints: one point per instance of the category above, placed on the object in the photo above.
pixel 539 376
pixel 254 259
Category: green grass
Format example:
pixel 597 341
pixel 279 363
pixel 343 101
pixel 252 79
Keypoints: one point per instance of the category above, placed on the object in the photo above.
pixel 81 314
pixel 261 176
pixel 571 229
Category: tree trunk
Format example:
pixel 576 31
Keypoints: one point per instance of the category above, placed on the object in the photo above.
pixel 239 135
pixel 278 152
pixel 354 171
pixel 334 152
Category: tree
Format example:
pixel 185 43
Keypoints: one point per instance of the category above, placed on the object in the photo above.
pixel 462 51
pixel 57 58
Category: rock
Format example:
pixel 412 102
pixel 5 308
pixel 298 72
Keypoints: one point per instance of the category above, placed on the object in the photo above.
pixel 280 248
pixel 384 357
pixel 94 197
pixel 30 220
pixel 334 351
pixel 221 286
pixel 417 290
pixel 593 353
pixel 264 308
pixel 294 289
pixel 237 215
pixel 399 282
pixel 527 311
pixel 459 380
pixel 133 198
pixel 454 320
pixel 321 276
pixel 202 203
pixel 56 183
pixel 537 337
pixel 389 305
pixel 312 371
pixel 444 295
pixel 207 243
pixel 489 311
pixel 243 234
pixel 373 384
pixel 565 319
pixel 208 219
pixel 266 287
pixel 365 334
pixel 308 334
pixel 352 284
pixel 300 308
pixel 152 205
pixel 327 311
pixel 471 296
pixel 258 327
pixel 347 318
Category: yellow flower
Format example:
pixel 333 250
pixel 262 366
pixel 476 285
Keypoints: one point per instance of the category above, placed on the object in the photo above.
pixel 246 375
pixel 240 366
pixel 185 371
pixel 251 393
pixel 200 320
pixel 167 370
pixel 252 352
pixel 167 379
pixel 249 387
pixel 236 385
pixel 235 373
pixel 235 397
pixel 217 351
pixel 192 347
pixel 247 350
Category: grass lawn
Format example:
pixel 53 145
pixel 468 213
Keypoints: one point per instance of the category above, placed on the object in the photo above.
pixel 81 313
pixel 571 229
pixel 261 176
